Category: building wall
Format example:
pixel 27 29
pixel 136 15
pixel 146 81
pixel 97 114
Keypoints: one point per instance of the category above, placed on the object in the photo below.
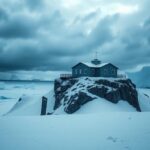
pixel 95 72
pixel 108 71
pixel 81 70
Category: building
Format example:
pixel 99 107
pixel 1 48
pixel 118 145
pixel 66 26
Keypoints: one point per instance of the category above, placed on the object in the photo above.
pixel 94 69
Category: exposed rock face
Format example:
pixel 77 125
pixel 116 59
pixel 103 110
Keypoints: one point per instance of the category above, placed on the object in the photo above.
pixel 118 90
pixel 76 101
pixel 60 88
pixel 73 93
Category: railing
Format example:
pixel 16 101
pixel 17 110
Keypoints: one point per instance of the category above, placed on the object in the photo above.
pixel 65 76
pixel 123 76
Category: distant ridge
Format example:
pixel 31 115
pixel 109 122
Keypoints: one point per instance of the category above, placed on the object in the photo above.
pixel 141 78
pixel 28 80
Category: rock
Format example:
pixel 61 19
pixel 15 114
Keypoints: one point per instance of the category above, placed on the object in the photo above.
pixel 60 87
pixel 73 93
pixel 98 91
pixel 49 113
pixel 76 101
pixel 44 106
pixel 120 90
pixel 20 99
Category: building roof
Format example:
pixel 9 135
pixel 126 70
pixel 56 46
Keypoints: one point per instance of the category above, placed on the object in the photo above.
pixel 89 64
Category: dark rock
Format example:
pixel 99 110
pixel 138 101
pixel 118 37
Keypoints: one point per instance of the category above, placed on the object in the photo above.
pixel 60 88
pixel 113 96
pixel 44 106
pixel 113 91
pixel 20 99
pixel 74 89
pixel 49 113
pixel 121 90
pixel 76 101
pixel 146 95
pixel 73 81
pixel 98 91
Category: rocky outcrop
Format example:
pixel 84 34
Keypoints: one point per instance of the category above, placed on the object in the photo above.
pixel 60 88
pixel 73 93
pixel 76 101
pixel 115 91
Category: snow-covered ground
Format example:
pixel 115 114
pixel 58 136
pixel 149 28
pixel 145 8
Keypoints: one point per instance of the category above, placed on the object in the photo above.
pixel 11 91
pixel 99 125
pixel 31 94
pixel 104 131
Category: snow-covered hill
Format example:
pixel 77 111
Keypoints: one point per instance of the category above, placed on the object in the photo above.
pixel 73 94
pixel 97 125
pixel 31 105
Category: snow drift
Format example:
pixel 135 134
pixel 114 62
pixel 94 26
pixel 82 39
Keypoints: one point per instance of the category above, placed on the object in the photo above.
pixel 86 95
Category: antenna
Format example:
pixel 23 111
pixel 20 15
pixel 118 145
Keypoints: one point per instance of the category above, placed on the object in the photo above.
pixel 96 61
pixel 96 55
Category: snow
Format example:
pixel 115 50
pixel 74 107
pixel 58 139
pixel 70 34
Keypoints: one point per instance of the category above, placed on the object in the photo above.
pixel 13 90
pixel 98 104
pixel 106 131
pixel 6 105
pixel 89 64
pixel 122 74
pixel 144 99
pixel 30 104
pixel 101 105
pixel 99 125
pixel 51 101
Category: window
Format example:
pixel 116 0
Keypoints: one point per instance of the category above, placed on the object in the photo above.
pixel 76 71
pixel 80 71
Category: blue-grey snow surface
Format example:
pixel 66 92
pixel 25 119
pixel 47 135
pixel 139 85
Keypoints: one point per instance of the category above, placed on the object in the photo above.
pixel 11 91
pixel 88 129
pixel 104 131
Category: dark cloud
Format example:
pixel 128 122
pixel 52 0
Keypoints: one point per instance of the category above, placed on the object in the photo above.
pixel 17 26
pixel 3 14
pixel 137 49
pixel 55 51
pixel 38 38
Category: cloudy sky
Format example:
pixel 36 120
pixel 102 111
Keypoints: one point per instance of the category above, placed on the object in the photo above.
pixel 41 38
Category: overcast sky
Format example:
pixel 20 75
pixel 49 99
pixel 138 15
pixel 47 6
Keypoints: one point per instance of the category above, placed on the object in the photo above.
pixel 40 38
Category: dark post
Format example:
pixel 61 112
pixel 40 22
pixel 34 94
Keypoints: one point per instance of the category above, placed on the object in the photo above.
pixel 44 106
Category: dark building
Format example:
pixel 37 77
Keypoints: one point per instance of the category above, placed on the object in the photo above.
pixel 94 69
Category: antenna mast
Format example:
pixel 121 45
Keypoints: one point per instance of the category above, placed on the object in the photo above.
pixel 96 55
pixel 96 61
